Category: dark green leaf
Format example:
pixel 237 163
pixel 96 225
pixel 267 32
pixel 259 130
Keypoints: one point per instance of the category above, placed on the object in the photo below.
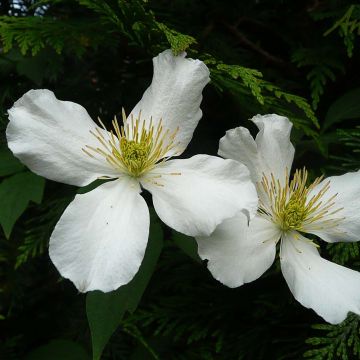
pixel 345 108
pixel 15 194
pixel 59 350
pixel 106 310
pixel 187 244
pixel 8 163
pixel 90 187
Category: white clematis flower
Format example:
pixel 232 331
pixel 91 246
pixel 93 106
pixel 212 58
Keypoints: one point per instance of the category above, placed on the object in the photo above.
pixel 329 208
pixel 100 240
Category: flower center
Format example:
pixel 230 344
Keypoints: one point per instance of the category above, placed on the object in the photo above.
pixel 295 206
pixel 133 151
pixel 134 148
pixel 134 155
pixel 294 214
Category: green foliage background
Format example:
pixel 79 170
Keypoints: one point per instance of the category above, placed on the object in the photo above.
pixel 299 59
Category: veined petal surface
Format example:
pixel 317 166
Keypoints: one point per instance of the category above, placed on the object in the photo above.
pixel 48 135
pixel 270 153
pixel 329 289
pixel 239 253
pixel 194 195
pixel 100 240
pixel 347 219
pixel 174 96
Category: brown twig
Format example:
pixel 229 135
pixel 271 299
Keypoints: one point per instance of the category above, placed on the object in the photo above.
pixel 251 45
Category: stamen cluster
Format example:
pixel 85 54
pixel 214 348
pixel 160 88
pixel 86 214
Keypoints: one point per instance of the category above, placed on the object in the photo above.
pixel 135 147
pixel 296 206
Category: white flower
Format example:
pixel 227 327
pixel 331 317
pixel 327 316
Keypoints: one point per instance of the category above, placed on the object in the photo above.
pixel 329 208
pixel 100 240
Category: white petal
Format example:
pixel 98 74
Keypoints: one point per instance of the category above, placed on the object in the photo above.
pixel 100 240
pixel 47 135
pixel 239 253
pixel 239 145
pixel 206 191
pixel 329 289
pixel 273 141
pixel 174 95
pixel 347 188
pixel 271 151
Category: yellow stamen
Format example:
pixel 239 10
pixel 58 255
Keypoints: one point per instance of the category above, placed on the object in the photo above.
pixel 134 147
pixel 291 207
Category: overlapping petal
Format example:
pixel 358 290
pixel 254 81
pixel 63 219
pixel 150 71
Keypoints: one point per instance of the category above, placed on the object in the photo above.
pixel 48 135
pixel 174 96
pixel 239 253
pixel 239 145
pixel 194 195
pixel 100 240
pixel 329 289
pixel 347 189
pixel 270 153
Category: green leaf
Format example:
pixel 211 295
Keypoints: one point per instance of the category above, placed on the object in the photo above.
pixel 87 188
pixel 15 193
pixel 32 34
pixel 187 244
pixel 178 42
pixel 8 163
pixel 250 77
pixel 59 350
pixel 335 341
pixel 106 310
pixel 345 108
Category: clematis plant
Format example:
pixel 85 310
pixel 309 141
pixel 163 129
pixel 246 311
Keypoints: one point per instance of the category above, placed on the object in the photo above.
pixel 288 209
pixel 100 240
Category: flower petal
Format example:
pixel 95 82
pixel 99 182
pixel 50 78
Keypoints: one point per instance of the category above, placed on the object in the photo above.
pixel 239 253
pixel 100 240
pixel 194 195
pixel 347 188
pixel 329 289
pixel 239 145
pixel 48 135
pixel 174 96
pixel 270 152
